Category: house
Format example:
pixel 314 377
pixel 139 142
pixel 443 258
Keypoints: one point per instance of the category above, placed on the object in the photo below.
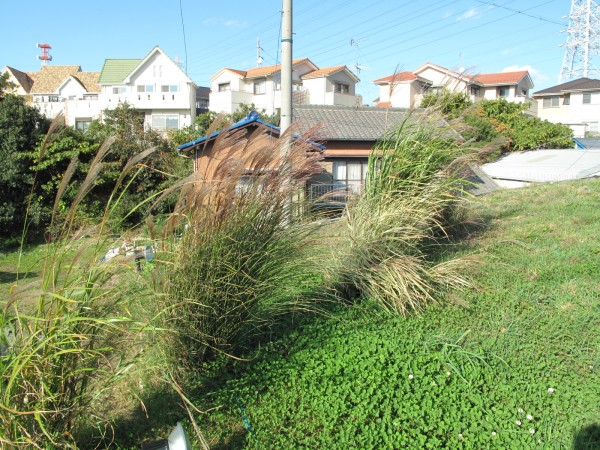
pixel 261 86
pixel 407 89
pixel 60 89
pixel 575 103
pixel 155 85
pixel 349 135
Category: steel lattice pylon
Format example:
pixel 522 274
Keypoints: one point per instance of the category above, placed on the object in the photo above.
pixel 583 41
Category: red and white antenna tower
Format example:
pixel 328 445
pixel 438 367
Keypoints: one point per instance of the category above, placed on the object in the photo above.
pixel 583 40
pixel 45 56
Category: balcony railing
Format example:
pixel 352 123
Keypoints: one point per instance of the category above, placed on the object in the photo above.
pixel 330 194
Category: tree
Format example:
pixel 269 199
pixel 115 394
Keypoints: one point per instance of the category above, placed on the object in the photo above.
pixel 21 128
pixel 450 104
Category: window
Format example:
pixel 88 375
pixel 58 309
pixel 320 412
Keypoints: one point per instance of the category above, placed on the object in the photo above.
pixel 119 90
pixel 224 87
pixel 503 91
pixel 551 102
pixel 82 124
pixel 260 87
pixel 592 128
pixel 475 91
pixel 169 88
pixel 145 88
pixel 567 99
pixel 165 121
pixel 342 88
pixel 351 172
pixel 90 96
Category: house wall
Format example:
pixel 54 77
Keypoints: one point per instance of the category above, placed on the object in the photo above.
pixel 406 94
pixel 157 71
pixel 441 79
pixel 583 118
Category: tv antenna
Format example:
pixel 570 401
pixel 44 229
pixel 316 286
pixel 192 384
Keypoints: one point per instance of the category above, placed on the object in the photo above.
pixel 357 65
pixel 259 58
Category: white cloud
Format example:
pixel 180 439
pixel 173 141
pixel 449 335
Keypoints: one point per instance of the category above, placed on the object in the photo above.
pixel 223 22
pixel 535 74
pixel 469 14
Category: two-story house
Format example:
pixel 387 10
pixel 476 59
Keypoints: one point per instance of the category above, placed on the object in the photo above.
pixel 261 86
pixel 155 85
pixel 575 103
pixel 407 89
pixel 60 89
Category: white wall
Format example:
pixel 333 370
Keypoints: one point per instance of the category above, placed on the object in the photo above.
pixel 578 115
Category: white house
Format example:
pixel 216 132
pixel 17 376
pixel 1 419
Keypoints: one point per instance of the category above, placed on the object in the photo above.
pixel 56 89
pixel 261 86
pixel 155 85
pixel 406 89
pixel 575 103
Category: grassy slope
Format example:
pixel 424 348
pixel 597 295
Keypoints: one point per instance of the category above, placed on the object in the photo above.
pixel 531 324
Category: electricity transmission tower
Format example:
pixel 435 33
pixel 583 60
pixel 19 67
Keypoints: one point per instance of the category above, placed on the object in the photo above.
pixel 583 41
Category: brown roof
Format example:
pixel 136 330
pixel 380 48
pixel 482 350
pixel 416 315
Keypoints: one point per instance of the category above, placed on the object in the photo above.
pixel 50 77
pixel 23 78
pixel 89 80
pixel 323 72
pixel 269 70
pixel 397 77
pixel 500 78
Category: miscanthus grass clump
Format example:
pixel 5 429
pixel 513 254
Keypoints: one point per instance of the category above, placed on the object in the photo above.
pixel 411 185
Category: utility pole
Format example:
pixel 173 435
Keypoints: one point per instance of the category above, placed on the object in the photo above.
pixel 286 66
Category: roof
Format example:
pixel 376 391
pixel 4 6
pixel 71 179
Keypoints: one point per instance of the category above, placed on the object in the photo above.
pixel 396 78
pixel 251 119
pixel 270 70
pixel 89 80
pixel 501 77
pixel 581 84
pixel 585 143
pixel 51 77
pixel 115 71
pixel 23 78
pixel 323 72
pixel 157 49
pixel 348 123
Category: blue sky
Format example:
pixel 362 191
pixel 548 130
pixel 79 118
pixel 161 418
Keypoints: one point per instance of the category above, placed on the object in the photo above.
pixel 381 36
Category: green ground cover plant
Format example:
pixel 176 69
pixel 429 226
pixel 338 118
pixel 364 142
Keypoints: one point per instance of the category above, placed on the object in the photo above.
pixel 512 364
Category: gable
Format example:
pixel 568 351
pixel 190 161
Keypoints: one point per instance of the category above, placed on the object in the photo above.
pixel 157 65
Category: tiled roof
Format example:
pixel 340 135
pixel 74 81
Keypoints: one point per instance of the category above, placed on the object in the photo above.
pixel 397 77
pixel 500 78
pixel 23 78
pixel 50 77
pixel 581 84
pixel 347 123
pixel 115 71
pixel 89 80
pixel 323 72
pixel 269 70
pixel 384 104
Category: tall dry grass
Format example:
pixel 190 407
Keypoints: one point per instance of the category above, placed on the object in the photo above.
pixel 238 243
pixel 411 186
pixel 69 338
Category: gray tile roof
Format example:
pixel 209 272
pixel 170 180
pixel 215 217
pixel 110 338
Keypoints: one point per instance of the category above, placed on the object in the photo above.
pixel 581 84
pixel 347 123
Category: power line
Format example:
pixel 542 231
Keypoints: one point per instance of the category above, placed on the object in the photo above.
pixel 184 41
pixel 522 12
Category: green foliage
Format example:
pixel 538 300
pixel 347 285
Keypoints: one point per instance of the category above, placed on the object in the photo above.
pixel 489 119
pixel 5 84
pixel 524 343
pixel 21 128
pixel 450 104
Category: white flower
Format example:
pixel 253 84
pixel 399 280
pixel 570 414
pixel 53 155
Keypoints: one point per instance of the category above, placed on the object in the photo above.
pixel 529 417
pixel 410 377
pixel 518 422
pixel 520 411
pixel 551 390
pixel 532 430
pixel 460 436
pixel 448 373
pixel 493 433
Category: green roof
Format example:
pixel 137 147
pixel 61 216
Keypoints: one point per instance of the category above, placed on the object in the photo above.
pixel 115 71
